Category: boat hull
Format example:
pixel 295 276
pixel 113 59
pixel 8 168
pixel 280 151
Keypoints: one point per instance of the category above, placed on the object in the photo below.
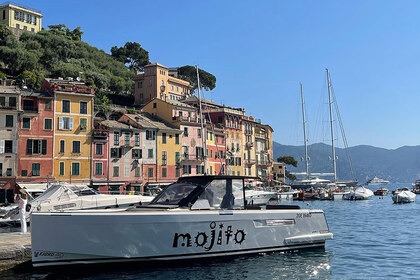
pixel 89 238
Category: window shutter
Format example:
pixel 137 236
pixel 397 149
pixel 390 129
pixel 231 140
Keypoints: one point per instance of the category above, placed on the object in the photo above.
pixel 29 147
pixel 71 123
pixel 60 123
pixel 44 147
pixel 14 148
pixel 1 146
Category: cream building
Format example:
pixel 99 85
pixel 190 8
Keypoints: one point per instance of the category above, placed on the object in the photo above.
pixel 20 18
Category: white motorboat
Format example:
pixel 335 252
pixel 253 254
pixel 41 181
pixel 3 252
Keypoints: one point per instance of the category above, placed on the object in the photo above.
pixel 358 193
pixel 70 197
pixel 258 197
pixel 377 181
pixel 403 195
pixel 195 217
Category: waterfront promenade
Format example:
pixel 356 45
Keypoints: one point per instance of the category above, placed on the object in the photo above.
pixel 15 249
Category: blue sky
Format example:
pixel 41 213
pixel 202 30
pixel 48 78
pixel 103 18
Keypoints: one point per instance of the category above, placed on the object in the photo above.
pixel 261 50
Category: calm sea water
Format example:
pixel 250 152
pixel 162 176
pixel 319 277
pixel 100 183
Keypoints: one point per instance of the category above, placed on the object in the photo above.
pixel 373 239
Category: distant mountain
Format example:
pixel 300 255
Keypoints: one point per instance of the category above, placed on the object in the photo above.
pixel 401 165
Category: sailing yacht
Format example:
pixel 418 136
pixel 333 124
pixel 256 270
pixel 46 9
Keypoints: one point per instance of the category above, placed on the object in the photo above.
pixel 310 181
pixel 355 193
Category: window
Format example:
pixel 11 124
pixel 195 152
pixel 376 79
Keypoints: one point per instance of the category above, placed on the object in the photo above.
pixel 186 169
pixel 164 172
pixel 62 146
pixel 115 152
pixel 65 123
pixel 199 133
pixel 137 172
pixel 163 138
pixel 99 149
pixel 76 147
pixel 75 169
pixel 66 106
pixel 83 124
pixel 164 157
pixel 36 169
pixel 8 146
pixel 185 131
pixel 116 138
pixel 83 107
pixel 9 121
pixel 26 123
pixel 154 105
pixel 150 172
pixel 12 102
pixel 137 139
pixel 1 169
pixel 150 135
pixel 24 173
pixel 61 168
pixel 98 168
pixel 29 105
pixel 177 158
pixel 36 147
pixel 9 172
pixel 127 138
pixel 115 171
pixel 150 153
pixel 177 172
pixel 48 105
pixel 48 124
pixel 127 170
pixel 176 138
pixel 136 153
pixel 2 101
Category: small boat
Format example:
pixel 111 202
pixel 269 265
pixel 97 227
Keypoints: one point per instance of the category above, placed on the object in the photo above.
pixel 358 193
pixel 403 195
pixel 196 217
pixel 416 187
pixel 381 192
pixel 285 192
pixel 377 181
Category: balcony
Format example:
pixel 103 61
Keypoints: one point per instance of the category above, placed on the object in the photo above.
pixel 30 109
pixel 100 134
pixel 250 161
pixel 191 158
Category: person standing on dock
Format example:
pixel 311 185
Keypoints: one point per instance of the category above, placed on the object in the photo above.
pixel 22 200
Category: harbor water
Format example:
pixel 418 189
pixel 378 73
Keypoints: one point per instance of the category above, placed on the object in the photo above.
pixel 373 239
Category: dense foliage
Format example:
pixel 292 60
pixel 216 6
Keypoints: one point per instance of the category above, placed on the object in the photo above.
pixel 189 73
pixel 60 52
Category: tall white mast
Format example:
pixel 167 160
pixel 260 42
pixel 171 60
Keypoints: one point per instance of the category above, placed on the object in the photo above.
pixel 331 125
pixel 305 140
pixel 203 135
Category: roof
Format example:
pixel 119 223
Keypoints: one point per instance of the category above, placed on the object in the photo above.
pixel 149 121
pixel 114 124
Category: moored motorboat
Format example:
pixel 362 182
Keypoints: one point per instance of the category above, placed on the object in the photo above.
pixel 196 217
pixel 73 197
pixel 358 193
pixel 259 197
pixel 381 192
pixel 403 195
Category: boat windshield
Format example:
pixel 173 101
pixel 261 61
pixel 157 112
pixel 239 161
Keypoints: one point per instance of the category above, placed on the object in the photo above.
pixel 81 190
pixel 173 194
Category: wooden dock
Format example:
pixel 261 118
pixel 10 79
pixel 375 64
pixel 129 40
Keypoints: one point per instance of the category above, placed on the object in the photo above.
pixel 15 249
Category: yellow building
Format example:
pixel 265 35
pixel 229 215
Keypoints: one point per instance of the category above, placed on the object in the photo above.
pixel 73 111
pixel 158 81
pixel 20 18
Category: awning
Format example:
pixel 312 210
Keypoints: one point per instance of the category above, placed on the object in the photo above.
pixel 33 186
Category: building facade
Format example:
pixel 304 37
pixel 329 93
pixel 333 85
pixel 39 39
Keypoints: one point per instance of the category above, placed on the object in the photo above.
pixel 157 81
pixel 73 118
pixel 19 18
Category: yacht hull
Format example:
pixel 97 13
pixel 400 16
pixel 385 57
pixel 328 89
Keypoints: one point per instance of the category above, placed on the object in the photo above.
pixel 155 235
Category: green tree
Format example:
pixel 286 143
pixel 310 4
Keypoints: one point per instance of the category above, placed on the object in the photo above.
pixel 31 79
pixel 189 73
pixel 288 160
pixel 132 54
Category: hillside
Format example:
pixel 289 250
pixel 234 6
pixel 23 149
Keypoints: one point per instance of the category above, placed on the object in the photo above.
pixel 401 165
